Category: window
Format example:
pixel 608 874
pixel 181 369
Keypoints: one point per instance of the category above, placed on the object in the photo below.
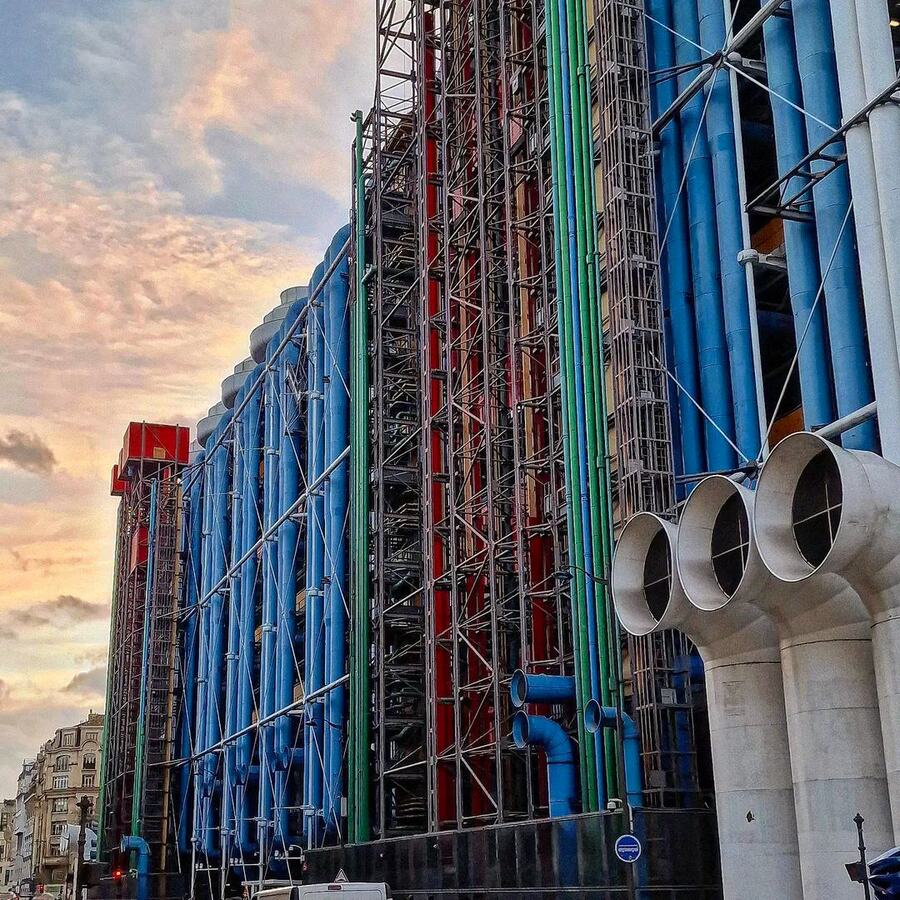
pixel 89 761
pixel 62 764
pixel 87 780
pixel 60 804
pixel 57 827
pixel 60 782
pixel 69 739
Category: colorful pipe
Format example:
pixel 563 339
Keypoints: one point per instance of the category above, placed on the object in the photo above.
pixel 337 437
pixel 313 737
pixel 359 828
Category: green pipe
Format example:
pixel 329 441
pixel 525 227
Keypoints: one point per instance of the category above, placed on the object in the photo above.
pixel 596 313
pixel 592 351
pixel 587 762
pixel 107 719
pixel 587 332
pixel 359 726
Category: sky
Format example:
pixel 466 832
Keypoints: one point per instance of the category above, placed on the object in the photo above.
pixel 167 167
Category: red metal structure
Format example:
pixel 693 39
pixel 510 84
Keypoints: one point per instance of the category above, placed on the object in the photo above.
pixel 142 633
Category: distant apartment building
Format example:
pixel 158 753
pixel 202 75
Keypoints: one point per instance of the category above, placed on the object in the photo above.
pixel 7 846
pixel 66 769
pixel 22 827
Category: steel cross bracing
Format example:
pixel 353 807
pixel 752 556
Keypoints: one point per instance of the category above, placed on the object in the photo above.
pixel 159 711
pixel 791 196
pixel 535 401
pixel 398 627
pixel 431 198
pixel 470 449
pixel 637 357
pixel 125 662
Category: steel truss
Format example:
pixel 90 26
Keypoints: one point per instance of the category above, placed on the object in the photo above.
pixel 474 634
pixel 124 769
pixel 539 514
pixel 637 357
pixel 161 701
pixel 398 626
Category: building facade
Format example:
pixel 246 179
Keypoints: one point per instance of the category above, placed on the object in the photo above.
pixel 49 788
pixel 7 851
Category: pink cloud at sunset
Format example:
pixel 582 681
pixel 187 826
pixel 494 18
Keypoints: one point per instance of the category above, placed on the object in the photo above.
pixel 166 169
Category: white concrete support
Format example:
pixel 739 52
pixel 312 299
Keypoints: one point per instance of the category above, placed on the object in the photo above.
pixel 864 549
pixel 739 647
pixel 837 755
pixel 873 257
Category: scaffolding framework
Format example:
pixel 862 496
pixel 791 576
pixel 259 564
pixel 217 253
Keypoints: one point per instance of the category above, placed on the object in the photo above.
pixel 142 691
pixel 539 503
pixel 395 537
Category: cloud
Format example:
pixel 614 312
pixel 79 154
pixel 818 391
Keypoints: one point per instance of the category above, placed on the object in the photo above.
pixel 65 607
pixel 92 655
pixel 166 169
pixel 27 451
pixel 4 692
pixel 91 683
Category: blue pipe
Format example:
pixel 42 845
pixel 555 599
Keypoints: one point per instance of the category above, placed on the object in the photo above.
pixel 584 498
pixel 201 792
pixel 676 262
pixel 337 438
pixel 193 540
pixel 831 198
pixel 251 438
pixel 804 274
pixel 596 718
pixel 220 523
pixel 229 777
pixel 290 460
pixel 712 351
pixel 735 297
pixel 313 732
pixel 562 767
pixel 269 607
pixel 132 843
pixel 524 688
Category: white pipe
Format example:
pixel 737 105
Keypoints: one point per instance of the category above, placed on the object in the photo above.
pixel 879 72
pixel 745 231
pixel 870 235
pixel 861 544
pixel 739 647
pixel 845 423
pixel 837 756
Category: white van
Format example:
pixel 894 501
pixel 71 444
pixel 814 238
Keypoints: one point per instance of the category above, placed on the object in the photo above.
pixel 337 890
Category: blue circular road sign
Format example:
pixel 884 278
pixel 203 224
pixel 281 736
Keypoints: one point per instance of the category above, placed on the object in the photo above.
pixel 628 848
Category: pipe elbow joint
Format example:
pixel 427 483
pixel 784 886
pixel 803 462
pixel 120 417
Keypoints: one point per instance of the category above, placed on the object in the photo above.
pixel 525 688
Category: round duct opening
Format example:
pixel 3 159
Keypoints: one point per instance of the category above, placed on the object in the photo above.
pixel 642 573
pixel 816 508
pixel 658 575
pixel 730 544
pixel 518 688
pixel 521 731
pixel 714 548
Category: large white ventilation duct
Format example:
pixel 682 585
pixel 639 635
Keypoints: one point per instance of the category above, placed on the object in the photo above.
pixel 831 703
pixel 739 646
pixel 720 570
pixel 826 512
